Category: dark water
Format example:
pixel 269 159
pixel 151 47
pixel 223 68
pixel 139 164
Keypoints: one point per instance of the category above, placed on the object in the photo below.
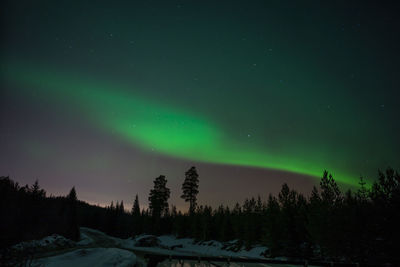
pixel 175 263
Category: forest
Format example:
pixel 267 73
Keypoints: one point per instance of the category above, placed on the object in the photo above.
pixel 359 224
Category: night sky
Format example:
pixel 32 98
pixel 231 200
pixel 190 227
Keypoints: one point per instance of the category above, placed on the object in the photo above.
pixel 107 95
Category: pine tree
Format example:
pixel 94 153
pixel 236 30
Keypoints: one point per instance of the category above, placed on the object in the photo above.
pixel 259 205
pixel 315 197
pixel 112 205
pixel 190 188
pixel 330 192
pixel 117 208
pixel 158 197
pixel 36 191
pixel 272 226
pixel 362 193
pixel 121 207
pixel 72 219
pixel 136 207
pixel 137 219
pixel 72 195
pixel 324 220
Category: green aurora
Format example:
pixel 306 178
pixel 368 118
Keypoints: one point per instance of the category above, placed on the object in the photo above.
pixel 155 126
pixel 247 91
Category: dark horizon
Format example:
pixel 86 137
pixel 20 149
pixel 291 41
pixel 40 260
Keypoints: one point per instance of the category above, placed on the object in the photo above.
pixel 265 182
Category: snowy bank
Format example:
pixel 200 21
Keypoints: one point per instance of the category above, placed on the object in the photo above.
pixel 47 243
pixel 85 240
pixel 212 248
pixel 90 257
pixel 170 245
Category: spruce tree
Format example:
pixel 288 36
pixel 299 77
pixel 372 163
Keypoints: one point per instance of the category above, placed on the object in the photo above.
pixel 72 195
pixel 158 197
pixel 330 192
pixel 136 216
pixel 362 193
pixel 136 207
pixel 36 191
pixel 121 207
pixel 117 208
pixel 72 219
pixel 190 188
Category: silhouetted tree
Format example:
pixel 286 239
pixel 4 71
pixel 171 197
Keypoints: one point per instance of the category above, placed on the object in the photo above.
pixel 72 195
pixel 136 207
pixel 330 192
pixel 121 207
pixel 36 191
pixel 72 228
pixel 385 196
pixel 158 199
pixel 190 188
pixel 273 232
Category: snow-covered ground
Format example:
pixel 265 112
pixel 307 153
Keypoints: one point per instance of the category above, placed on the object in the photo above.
pixel 49 242
pixel 171 245
pixel 90 257
pixel 96 248
pixel 209 248
pixel 85 240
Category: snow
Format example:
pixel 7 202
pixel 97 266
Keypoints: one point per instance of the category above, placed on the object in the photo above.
pixel 171 241
pixel 255 252
pixel 92 230
pixel 90 257
pixel 218 251
pixel 116 240
pixel 106 255
pixel 49 242
pixel 209 248
pixel 85 240
pixel 143 236
pixel 170 245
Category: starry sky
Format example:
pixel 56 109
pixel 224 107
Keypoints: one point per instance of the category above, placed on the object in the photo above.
pixel 107 95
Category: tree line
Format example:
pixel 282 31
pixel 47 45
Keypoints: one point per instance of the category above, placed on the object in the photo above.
pixel 26 213
pixel 359 224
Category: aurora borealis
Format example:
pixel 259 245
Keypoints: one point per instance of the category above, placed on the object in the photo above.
pixel 254 94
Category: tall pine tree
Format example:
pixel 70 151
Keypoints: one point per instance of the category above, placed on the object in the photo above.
pixel 190 188
pixel 158 197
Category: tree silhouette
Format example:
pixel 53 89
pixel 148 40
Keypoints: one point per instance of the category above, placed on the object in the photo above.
pixel 190 188
pixel 121 207
pixel 36 191
pixel 72 219
pixel 72 195
pixel 330 192
pixel 136 207
pixel 158 197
